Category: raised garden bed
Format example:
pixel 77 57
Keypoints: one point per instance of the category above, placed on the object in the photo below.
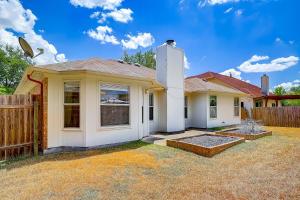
pixel 245 135
pixel 206 145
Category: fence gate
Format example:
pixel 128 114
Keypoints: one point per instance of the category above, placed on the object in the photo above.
pixel 16 126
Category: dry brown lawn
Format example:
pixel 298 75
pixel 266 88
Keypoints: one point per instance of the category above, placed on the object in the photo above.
pixel 268 168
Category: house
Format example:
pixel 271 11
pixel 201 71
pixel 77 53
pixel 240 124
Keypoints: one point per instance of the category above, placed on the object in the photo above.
pixel 257 97
pixel 98 102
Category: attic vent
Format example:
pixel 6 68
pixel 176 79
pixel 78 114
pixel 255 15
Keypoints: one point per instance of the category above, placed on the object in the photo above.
pixel 137 64
pixel 121 61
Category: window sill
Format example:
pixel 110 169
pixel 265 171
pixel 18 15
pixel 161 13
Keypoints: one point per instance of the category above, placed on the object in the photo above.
pixel 109 128
pixel 72 129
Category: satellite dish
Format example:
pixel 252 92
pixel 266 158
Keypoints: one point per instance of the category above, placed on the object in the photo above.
pixel 28 50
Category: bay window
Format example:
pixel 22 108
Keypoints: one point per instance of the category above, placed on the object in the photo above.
pixel 114 105
pixel 213 106
pixel 71 104
pixel 236 106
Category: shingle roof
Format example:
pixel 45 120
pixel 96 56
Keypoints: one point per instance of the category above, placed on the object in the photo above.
pixel 199 85
pixel 243 86
pixel 114 67
pixel 103 66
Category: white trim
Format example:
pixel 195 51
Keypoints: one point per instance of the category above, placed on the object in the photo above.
pixel 79 129
pixel 112 127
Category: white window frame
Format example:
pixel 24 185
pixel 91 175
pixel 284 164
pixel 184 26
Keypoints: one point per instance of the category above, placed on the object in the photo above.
pixel 236 106
pixel 151 106
pixel 99 107
pixel 216 106
pixel 67 104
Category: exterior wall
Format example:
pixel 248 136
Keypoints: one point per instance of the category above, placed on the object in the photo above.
pixel 198 107
pixel 90 132
pixel 154 124
pixel 225 111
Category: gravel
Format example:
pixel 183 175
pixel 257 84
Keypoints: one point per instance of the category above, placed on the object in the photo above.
pixel 209 140
pixel 244 132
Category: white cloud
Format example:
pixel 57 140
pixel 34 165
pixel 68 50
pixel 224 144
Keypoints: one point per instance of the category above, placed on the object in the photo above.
pixel 288 85
pixel 291 42
pixel 239 12
pixel 203 3
pixel 142 39
pixel 228 10
pixel 9 38
pixel 14 16
pixel 61 58
pixel 278 64
pixel 104 35
pixel 95 14
pixel 15 19
pixel 122 15
pixel 278 40
pixel 105 4
pixel 186 63
pixel 233 72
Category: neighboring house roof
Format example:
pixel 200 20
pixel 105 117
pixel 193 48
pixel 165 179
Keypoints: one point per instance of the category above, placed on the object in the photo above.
pixel 199 85
pixel 243 86
pixel 103 66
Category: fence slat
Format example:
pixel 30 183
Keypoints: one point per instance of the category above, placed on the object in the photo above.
pixel 16 125
pixel 278 116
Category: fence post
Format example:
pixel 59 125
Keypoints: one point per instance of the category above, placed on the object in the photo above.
pixel 35 128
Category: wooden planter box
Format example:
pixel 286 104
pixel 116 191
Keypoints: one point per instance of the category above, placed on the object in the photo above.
pixel 245 136
pixel 201 150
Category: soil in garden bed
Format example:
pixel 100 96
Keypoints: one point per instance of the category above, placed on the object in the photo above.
pixel 209 140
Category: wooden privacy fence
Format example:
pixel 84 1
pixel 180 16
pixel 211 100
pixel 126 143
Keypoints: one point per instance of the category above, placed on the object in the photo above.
pixel 16 126
pixel 244 114
pixel 278 116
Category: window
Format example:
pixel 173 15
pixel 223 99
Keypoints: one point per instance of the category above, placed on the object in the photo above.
pixel 258 104
pixel 213 106
pixel 151 106
pixel 236 106
pixel 242 104
pixel 114 105
pixel 72 104
pixel 273 105
pixel 185 107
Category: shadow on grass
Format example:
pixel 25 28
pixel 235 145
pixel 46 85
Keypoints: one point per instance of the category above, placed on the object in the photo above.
pixel 70 155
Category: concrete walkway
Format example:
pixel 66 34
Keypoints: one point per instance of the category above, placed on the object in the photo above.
pixel 160 139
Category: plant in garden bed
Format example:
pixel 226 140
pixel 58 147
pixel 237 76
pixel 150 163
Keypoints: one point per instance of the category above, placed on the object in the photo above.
pixel 250 126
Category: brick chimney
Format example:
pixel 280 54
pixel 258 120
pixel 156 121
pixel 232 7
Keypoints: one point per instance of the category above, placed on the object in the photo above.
pixel 265 84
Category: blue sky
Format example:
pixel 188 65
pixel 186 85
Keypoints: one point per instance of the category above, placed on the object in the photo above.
pixel 249 37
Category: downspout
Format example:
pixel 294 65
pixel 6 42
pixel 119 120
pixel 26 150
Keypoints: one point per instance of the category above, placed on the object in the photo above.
pixel 42 102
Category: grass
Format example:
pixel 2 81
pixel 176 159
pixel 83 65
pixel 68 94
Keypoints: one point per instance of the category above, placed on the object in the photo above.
pixel 5 90
pixel 267 168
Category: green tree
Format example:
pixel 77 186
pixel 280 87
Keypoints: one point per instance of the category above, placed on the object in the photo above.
pixel 12 66
pixel 279 91
pixel 294 91
pixel 146 59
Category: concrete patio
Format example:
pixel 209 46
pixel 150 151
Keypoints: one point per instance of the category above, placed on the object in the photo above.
pixel 160 138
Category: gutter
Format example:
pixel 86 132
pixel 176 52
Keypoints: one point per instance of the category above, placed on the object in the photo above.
pixel 42 99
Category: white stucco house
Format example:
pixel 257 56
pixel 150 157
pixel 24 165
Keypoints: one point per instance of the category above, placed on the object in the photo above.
pixel 98 102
